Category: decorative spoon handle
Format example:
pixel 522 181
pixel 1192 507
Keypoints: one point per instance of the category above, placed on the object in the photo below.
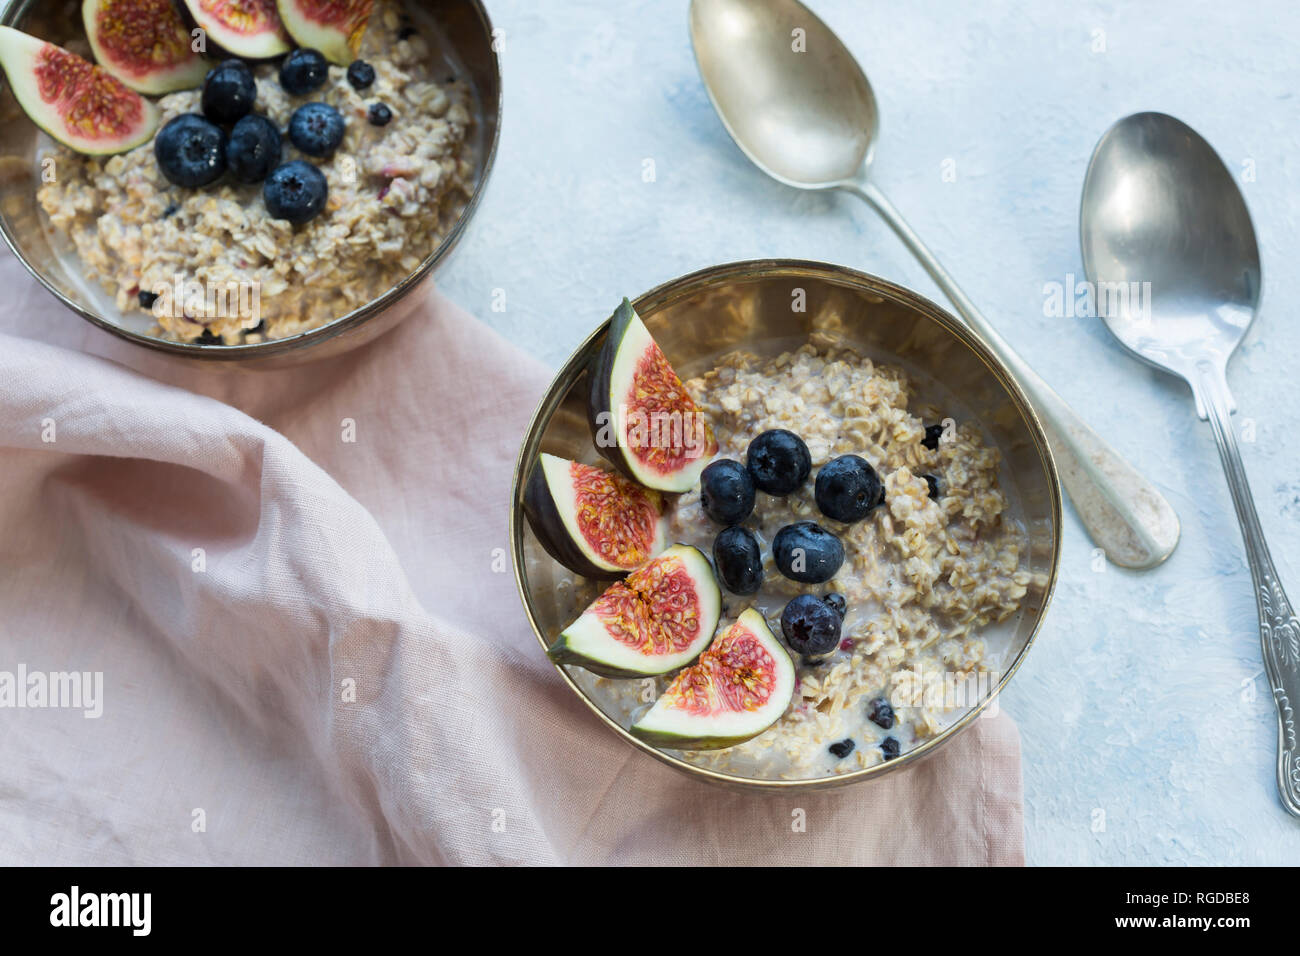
pixel 1279 631
pixel 1123 513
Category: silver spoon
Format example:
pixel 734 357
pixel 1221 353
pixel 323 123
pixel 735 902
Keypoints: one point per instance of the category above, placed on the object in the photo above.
pixel 1160 207
pixel 797 103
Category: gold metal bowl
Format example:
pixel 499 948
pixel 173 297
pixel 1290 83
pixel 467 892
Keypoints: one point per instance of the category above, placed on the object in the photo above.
pixel 698 318
pixel 463 36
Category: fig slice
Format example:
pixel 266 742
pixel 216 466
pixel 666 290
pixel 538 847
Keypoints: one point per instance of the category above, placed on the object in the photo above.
pixel 740 687
pixel 334 27
pixel 660 617
pixel 81 105
pixel 248 28
pixel 592 521
pixel 144 43
pixel 642 418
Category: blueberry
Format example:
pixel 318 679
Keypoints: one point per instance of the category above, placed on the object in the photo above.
pixel 933 433
pixel 933 482
pixel 361 74
pixel 254 149
pixel 807 552
pixel 316 129
pixel 889 747
pixel 848 488
pixel 778 461
pixel 726 492
pixel 229 92
pixel 842 748
pixel 810 626
pixel 880 713
pixel 147 299
pixel 304 70
pixel 737 558
pixel 190 151
pixel 379 114
pixel 296 191
pixel 837 601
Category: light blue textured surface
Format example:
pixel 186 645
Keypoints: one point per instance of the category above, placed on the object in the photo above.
pixel 1144 699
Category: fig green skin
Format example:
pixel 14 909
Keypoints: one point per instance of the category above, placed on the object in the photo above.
pixel 544 518
pixel 560 653
pixel 674 742
pixel 600 399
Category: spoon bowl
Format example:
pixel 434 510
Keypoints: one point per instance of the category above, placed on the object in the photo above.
pixel 820 120
pixel 1161 213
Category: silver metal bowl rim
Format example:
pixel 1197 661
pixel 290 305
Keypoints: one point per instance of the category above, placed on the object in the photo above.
pixel 692 284
pixel 311 337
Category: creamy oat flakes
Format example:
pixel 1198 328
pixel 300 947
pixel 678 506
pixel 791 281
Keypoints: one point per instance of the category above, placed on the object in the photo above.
pixel 921 577
pixel 394 192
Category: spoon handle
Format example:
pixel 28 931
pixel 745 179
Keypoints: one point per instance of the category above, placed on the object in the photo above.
pixel 1123 513
pixel 1279 631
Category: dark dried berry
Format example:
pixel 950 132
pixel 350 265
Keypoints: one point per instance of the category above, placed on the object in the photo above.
pixel 933 482
pixel 932 435
pixel 880 713
pixel 837 601
pixel 147 299
pixel 889 747
pixel 842 748
pixel 406 33
pixel 208 338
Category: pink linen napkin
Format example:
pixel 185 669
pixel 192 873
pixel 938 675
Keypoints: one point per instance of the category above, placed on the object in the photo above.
pixel 292 584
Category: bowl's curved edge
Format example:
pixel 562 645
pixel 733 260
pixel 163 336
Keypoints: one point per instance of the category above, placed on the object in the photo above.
pixel 688 285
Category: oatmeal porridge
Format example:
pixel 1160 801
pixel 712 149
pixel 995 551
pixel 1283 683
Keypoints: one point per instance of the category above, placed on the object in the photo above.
pixel 924 574
pixel 395 189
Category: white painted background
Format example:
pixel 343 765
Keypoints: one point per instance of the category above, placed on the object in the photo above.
pixel 1136 701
